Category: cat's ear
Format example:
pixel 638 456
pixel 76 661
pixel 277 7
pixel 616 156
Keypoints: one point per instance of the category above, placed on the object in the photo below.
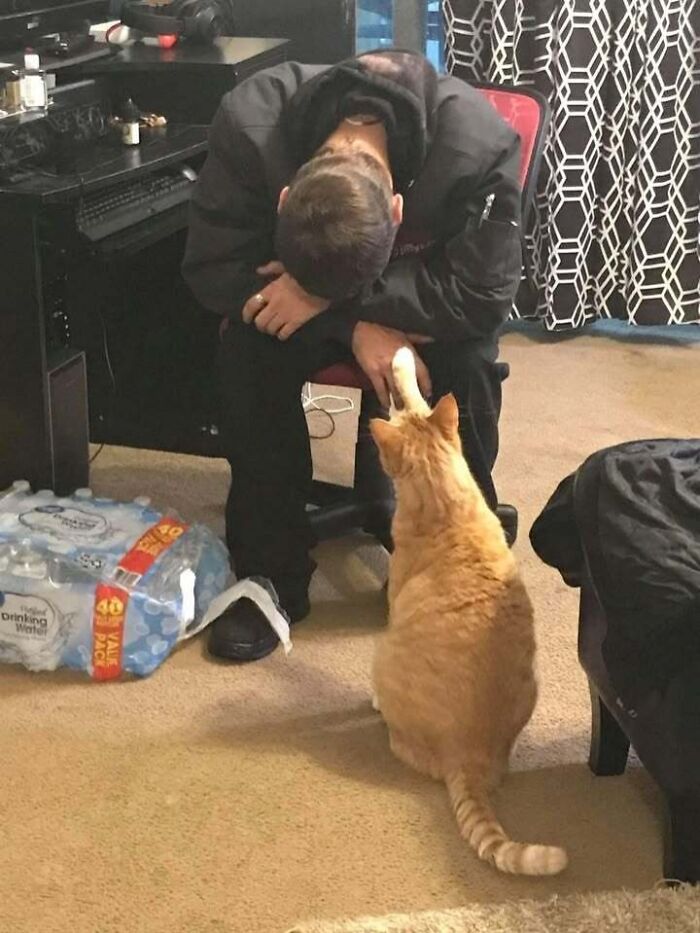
pixel 445 417
pixel 389 441
pixel 386 434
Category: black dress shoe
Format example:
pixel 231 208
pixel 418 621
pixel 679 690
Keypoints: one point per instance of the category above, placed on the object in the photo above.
pixel 243 633
pixel 508 517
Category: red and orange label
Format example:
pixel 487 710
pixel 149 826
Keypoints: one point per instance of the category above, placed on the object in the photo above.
pixel 108 631
pixel 109 614
pixel 151 545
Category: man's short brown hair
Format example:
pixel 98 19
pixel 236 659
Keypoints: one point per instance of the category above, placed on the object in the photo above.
pixel 335 231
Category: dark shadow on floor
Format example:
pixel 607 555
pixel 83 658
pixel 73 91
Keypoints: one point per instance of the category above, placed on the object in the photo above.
pixel 564 804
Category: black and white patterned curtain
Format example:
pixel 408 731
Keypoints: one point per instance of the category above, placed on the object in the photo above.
pixel 616 231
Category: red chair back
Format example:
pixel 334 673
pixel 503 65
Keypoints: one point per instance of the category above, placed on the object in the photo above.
pixel 527 112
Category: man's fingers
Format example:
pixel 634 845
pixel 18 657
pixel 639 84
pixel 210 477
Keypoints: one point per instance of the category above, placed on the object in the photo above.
pixel 265 321
pixel 380 388
pixel 423 377
pixel 274 268
pixel 253 306
pixel 393 391
pixel 250 309
pixel 419 339
pixel 286 331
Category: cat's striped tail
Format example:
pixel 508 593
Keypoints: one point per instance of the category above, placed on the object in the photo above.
pixel 479 826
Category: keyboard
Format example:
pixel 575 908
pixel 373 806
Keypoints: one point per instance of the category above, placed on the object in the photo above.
pixel 111 210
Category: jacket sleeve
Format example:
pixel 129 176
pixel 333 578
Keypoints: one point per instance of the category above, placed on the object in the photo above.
pixel 232 221
pixel 465 287
pixel 231 231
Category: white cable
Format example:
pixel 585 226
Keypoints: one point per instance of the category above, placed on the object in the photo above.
pixel 311 402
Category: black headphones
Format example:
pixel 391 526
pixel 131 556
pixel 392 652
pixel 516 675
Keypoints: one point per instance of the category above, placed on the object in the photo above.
pixel 200 21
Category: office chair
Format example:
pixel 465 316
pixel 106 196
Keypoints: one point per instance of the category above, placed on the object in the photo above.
pixel 335 511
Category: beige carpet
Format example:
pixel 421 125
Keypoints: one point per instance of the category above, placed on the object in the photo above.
pixel 223 798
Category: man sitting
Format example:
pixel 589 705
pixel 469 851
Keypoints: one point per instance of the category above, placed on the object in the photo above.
pixel 344 212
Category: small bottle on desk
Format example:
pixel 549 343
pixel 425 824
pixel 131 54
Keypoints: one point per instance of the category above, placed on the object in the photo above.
pixel 33 85
pixel 131 135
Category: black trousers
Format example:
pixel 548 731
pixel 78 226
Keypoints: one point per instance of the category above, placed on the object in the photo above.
pixel 266 441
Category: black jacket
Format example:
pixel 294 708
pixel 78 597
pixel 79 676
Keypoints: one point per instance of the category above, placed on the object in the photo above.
pixel 451 277
pixel 630 518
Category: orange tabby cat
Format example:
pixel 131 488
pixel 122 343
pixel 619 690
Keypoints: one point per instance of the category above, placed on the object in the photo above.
pixel 453 673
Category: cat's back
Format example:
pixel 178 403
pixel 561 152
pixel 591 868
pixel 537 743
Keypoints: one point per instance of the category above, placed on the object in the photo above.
pixel 460 592
pixel 460 640
pixel 461 564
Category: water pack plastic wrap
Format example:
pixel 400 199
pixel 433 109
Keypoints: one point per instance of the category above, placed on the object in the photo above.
pixel 98 585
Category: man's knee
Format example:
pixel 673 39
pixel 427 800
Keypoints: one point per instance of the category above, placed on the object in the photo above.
pixel 249 360
pixel 470 371
pixel 253 382
pixel 469 356
pixel 244 344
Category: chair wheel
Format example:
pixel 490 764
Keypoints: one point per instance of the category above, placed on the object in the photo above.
pixel 508 517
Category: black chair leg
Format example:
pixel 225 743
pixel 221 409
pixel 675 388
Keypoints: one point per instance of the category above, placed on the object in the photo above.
pixel 682 844
pixel 609 744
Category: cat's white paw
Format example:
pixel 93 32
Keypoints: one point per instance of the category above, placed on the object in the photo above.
pixel 404 362
pixel 403 366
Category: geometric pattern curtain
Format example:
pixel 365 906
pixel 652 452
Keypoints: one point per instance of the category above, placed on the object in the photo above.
pixel 616 229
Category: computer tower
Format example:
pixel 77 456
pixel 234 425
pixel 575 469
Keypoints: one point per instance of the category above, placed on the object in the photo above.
pixel 68 422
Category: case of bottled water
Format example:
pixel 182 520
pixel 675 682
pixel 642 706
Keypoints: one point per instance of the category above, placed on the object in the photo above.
pixel 100 586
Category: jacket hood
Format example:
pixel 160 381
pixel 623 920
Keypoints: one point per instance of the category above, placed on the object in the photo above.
pixel 399 87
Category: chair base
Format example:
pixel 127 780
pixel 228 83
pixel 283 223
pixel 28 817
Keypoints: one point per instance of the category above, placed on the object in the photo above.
pixel 335 512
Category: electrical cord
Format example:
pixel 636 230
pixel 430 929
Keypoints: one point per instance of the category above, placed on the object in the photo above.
pixel 311 405
pixel 105 345
pixel 110 370
pixel 110 30
pixel 331 419
pixel 311 401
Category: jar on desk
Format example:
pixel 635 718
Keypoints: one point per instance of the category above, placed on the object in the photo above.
pixel 10 92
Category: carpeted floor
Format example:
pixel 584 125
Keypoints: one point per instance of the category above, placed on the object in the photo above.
pixel 246 799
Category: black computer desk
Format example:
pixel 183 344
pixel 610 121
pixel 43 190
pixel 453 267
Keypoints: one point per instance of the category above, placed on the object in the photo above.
pixel 56 293
pixel 186 83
